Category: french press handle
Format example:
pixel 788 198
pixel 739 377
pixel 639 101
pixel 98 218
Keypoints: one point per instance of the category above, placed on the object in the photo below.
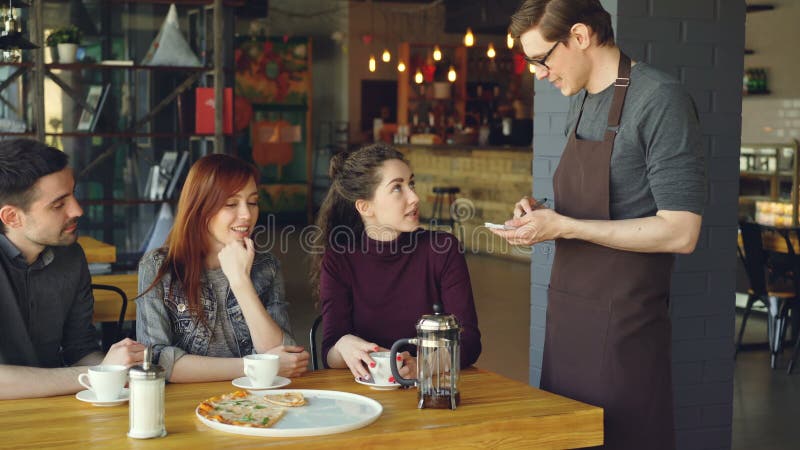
pixel 407 382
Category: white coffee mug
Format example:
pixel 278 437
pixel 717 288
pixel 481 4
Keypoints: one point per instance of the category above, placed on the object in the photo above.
pixel 105 381
pixel 382 372
pixel 261 369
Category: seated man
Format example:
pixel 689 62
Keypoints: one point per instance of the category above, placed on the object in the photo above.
pixel 46 301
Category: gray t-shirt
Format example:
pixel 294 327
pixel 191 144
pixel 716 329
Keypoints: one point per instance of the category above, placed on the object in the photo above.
pixel 223 340
pixel 657 162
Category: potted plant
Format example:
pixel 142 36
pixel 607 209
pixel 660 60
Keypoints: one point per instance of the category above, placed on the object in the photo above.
pixel 67 40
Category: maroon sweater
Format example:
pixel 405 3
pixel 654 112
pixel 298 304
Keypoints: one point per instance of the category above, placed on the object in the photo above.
pixel 379 290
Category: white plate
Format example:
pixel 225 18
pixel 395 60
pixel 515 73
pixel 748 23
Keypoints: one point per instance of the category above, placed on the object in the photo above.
pixel 378 387
pixel 244 383
pixel 89 397
pixel 326 412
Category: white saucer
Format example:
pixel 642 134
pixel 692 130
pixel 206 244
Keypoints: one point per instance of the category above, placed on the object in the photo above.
pixel 244 383
pixel 378 387
pixel 89 397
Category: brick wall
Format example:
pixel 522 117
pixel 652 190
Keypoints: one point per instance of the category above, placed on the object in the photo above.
pixel 491 181
pixel 701 42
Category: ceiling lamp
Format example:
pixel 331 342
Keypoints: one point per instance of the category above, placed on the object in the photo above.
pixel 469 38
pixel 437 53
pixel 490 51
pixel 11 37
pixel 509 41
pixel 372 63
pixel 451 74
pixel 386 56
pixel 418 77
pixel 401 66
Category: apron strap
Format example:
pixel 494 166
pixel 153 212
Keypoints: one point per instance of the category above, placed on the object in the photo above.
pixel 620 89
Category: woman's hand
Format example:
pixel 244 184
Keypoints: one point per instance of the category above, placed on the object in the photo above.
pixel 293 360
pixel 236 260
pixel 355 353
pixel 409 369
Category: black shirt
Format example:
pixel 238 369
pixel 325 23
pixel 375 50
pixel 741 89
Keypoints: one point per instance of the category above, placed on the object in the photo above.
pixel 45 307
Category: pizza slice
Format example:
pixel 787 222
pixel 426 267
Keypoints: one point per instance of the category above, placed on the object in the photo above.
pixel 291 399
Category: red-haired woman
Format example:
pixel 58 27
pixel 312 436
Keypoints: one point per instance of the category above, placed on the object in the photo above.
pixel 208 297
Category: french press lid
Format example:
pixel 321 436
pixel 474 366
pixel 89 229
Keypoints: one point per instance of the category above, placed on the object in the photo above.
pixel 147 370
pixel 438 321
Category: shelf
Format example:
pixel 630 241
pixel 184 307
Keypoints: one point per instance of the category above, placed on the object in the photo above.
pixel 758 8
pixel 114 201
pixel 24 134
pixel 746 94
pixel 79 134
pixel 81 66
pixel 762 175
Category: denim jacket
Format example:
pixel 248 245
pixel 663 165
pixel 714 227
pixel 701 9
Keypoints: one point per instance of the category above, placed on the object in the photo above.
pixel 167 325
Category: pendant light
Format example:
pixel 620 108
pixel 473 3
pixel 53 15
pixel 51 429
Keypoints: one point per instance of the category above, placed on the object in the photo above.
pixel 469 38
pixel 531 68
pixel 451 74
pixel 401 66
pixel 437 53
pixel 418 77
pixel 490 51
pixel 509 41
pixel 372 63
pixel 386 56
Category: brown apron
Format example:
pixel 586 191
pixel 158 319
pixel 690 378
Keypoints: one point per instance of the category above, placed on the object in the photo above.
pixel 608 336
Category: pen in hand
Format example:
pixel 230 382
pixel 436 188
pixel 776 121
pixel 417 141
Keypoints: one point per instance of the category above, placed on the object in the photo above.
pixel 537 204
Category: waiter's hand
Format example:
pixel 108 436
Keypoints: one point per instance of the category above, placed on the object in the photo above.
pixel 526 205
pixel 537 225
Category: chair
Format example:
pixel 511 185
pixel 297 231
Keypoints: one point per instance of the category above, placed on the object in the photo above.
pixel 110 336
pixel 312 343
pixel 787 265
pixel 757 263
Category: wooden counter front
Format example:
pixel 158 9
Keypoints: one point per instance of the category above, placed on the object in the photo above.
pixel 495 412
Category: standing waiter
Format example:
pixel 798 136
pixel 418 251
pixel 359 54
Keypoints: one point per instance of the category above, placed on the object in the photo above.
pixel 629 193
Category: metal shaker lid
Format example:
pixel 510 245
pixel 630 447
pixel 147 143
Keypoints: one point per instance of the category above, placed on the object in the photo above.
pixel 438 321
pixel 147 370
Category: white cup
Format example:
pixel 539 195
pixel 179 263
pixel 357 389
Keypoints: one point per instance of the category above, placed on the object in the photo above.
pixel 382 372
pixel 261 369
pixel 105 381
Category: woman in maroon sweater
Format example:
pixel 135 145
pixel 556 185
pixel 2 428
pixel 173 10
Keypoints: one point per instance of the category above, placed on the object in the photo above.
pixel 379 273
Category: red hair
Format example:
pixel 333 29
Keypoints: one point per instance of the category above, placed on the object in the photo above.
pixel 211 181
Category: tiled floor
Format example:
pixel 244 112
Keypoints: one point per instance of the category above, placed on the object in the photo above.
pixel 766 402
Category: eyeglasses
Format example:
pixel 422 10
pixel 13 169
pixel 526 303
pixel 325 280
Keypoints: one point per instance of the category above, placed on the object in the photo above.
pixel 541 62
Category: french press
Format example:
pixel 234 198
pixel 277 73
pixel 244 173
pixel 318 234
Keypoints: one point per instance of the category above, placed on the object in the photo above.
pixel 438 344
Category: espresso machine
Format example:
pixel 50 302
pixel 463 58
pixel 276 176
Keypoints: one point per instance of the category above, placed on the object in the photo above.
pixel 438 344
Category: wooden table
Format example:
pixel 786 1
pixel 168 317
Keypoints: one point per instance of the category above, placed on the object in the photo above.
pixel 495 412
pixel 96 251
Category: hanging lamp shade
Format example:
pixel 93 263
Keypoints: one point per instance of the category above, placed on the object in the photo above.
pixel 11 37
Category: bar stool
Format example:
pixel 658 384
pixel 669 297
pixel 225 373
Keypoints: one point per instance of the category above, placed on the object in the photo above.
pixel 441 217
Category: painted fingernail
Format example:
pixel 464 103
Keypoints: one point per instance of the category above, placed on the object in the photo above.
pixel 399 358
pixel 391 379
pixel 372 364
pixel 375 349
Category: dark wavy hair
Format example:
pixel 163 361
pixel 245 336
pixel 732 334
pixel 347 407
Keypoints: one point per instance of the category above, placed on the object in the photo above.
pixel 22 163
pixel 555 18
pixel 353 176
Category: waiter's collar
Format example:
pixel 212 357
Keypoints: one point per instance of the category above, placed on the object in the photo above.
pixel 15 254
